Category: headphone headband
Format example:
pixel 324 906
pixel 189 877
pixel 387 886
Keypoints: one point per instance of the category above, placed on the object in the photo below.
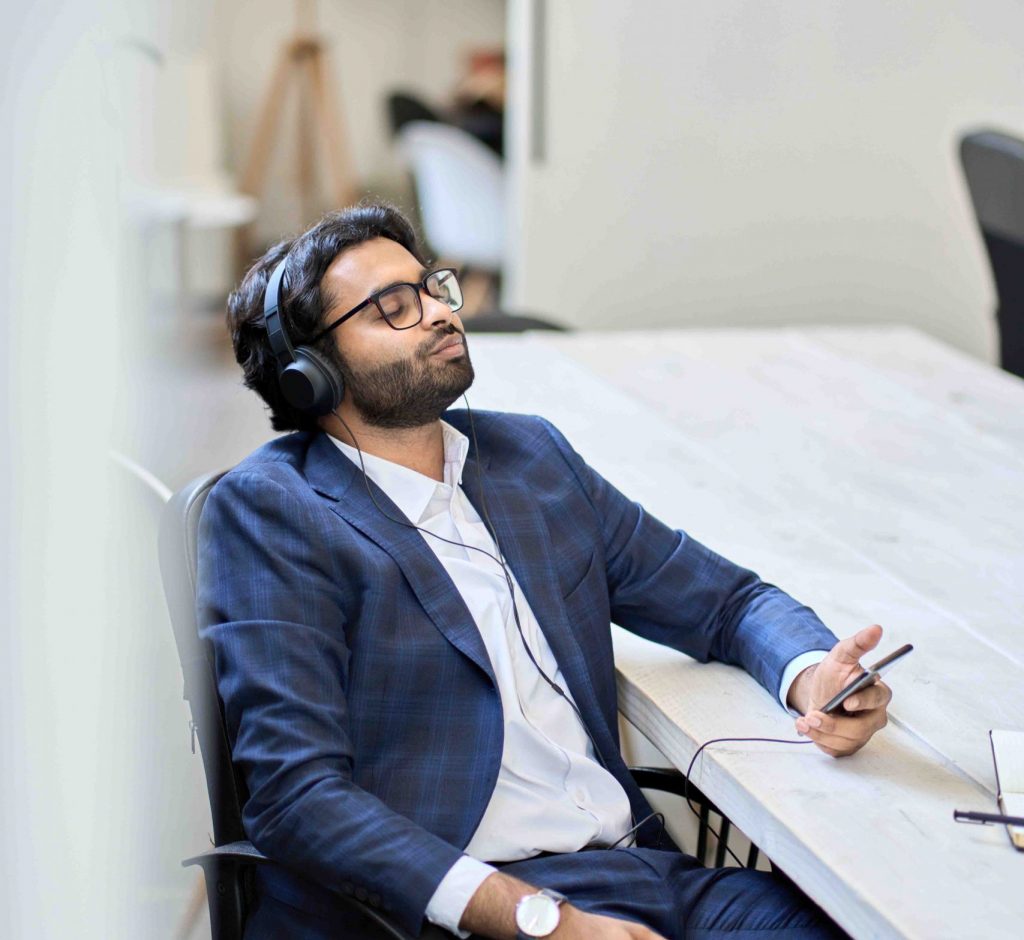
pixel 308 381
pixel 276 332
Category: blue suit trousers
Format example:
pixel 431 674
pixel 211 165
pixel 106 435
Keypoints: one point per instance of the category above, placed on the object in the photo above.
pixel 668 891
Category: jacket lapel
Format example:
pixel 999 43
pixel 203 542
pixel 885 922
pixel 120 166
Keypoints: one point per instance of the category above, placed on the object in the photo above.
pixel 524 542
pixel 335 477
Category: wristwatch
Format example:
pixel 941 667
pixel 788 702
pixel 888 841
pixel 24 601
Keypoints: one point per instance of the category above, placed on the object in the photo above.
pixel 537 915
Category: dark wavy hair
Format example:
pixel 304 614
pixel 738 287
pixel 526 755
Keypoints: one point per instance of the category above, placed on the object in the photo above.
pixel 305 304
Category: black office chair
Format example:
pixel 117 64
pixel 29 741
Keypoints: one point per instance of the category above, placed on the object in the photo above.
pixel 404 108
pixel 229 866
pixel 994 168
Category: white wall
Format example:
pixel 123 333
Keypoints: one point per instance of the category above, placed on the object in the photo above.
pixel 67 726
pixel 759 162
pixel 373 49
pixel 99 796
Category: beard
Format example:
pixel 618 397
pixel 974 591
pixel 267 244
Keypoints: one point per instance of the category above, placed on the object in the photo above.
pixel 411 392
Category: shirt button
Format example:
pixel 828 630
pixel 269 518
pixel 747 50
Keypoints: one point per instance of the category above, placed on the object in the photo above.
pixel 579 795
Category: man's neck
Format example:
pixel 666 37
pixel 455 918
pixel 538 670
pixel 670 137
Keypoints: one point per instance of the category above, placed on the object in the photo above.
pixel 420 449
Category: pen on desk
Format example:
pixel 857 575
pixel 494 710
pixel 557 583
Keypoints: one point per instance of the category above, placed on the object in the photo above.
pixel 961 816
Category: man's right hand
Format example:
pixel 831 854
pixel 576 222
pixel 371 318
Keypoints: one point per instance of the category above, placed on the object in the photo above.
pixel 579 925
pixel 491 913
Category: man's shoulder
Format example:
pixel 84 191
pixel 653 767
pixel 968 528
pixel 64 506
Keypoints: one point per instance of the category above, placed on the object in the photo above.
pixel 280 461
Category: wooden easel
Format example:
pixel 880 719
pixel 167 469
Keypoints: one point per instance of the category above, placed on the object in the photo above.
pixel 302 61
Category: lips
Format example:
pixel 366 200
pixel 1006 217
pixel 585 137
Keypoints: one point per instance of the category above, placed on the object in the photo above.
pixel 451 341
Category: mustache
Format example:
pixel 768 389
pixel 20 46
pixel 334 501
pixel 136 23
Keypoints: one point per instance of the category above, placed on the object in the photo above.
pixel 429 345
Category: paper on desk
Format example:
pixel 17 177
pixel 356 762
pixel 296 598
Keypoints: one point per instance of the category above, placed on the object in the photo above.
pixel 1008 756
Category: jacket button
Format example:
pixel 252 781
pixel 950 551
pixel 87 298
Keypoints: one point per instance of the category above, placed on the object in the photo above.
pixel 347 887
pixel 361 893
pixel 374 899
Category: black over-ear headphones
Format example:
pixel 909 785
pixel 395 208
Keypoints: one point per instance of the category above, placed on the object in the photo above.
pixel 308 381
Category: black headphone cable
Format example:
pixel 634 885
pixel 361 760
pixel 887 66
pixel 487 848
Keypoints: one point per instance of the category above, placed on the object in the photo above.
pixel 499 560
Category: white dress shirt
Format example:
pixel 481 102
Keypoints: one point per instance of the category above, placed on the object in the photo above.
pixel 551 793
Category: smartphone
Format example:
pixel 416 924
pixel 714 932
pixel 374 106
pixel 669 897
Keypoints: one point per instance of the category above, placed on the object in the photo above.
pixel 866 678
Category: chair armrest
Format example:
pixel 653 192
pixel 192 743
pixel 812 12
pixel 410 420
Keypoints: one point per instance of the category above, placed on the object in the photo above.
pixel 667 779
pixel 670 780
pixel 235 855
pixel 244 852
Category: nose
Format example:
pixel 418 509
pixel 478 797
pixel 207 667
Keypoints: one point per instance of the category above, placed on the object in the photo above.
pixel 436 313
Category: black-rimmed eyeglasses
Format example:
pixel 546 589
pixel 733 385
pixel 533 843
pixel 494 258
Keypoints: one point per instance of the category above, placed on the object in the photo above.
pixel 401 306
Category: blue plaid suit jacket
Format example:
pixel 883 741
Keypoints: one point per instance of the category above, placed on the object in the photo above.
pixel 360 701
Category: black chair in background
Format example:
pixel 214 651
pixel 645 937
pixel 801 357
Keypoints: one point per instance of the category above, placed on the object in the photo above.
pixel 993 165
pixel 228 867
pixel 404 108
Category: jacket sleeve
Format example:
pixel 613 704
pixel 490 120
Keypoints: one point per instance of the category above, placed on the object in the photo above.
pixel 269 602
pixel 666 586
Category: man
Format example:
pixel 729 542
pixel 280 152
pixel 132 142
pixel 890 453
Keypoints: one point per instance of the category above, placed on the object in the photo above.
pixel 410 612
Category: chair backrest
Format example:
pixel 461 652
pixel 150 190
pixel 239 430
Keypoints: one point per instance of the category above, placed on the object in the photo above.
pixel 994 168
pixel 178 543
pixel 460 185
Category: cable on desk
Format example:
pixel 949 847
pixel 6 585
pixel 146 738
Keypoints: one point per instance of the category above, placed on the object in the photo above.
pixel 689 769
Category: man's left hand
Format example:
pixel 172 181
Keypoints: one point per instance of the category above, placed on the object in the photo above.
pixel 851 725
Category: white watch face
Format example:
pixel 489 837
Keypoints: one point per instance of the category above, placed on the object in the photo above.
pixel 537 915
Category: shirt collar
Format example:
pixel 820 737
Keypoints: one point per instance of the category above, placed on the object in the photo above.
pixel 408 490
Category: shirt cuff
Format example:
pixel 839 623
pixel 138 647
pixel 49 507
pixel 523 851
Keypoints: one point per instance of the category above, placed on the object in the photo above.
pixel 449 901
pixel 793 668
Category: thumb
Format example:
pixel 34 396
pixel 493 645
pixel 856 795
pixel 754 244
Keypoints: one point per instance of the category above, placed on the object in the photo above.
pixel 849 651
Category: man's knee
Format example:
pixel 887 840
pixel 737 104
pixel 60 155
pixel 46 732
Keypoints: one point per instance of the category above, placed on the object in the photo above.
pixel 730 902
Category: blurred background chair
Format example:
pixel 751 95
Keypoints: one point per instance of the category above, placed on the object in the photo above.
pixel 229 865
pixel 404 107
pixel 993 165
pixel 460 191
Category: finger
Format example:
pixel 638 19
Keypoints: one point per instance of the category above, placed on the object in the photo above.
pixel 849 651
pixel 843 727
pixel 852 731
pixel 846 726
pixel 842 734
pixel 836 746
pixel 874 696
pixel 832 744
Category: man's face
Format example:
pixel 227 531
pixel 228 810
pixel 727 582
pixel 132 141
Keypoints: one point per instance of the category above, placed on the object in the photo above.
pixel 394 378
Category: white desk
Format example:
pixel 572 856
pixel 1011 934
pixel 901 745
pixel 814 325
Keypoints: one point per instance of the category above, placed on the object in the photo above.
pixel 879 477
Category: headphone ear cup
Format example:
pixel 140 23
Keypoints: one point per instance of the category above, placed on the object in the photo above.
pixel 311 383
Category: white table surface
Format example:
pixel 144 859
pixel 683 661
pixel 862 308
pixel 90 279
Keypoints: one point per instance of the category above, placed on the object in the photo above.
pixel 878 476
